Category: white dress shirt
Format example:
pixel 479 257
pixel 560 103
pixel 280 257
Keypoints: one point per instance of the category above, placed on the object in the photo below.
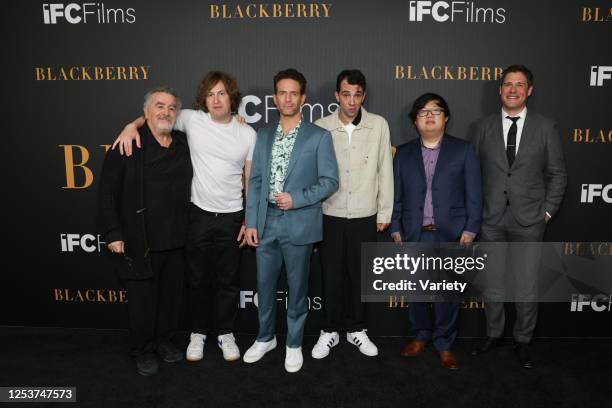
pixel 506 123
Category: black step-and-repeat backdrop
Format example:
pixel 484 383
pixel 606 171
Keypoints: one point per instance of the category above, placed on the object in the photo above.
pixel 76 72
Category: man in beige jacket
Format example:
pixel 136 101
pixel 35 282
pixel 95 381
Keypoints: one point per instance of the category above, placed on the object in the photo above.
pixel 360 208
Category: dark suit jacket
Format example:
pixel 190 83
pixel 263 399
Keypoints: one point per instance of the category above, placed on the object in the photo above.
pixel 536 181
pixel 312 176
pixel 456 190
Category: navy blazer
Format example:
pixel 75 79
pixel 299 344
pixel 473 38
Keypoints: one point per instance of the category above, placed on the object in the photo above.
pixel 456 190
pixel 312 176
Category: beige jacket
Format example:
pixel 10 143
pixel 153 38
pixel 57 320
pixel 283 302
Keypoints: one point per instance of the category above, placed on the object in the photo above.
pixel 365 168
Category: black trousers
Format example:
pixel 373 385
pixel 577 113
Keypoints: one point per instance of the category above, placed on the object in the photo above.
pixel 341 270
pixel 213 260
pixel 154 303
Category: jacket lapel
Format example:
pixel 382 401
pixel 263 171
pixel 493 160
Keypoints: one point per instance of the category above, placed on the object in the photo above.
pixel 417 156
pixel 526 140
pixel 300 140
pixel 268 158
pixel 444 146
pixel 498 143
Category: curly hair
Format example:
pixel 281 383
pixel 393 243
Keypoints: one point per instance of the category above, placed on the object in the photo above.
pixel 211 79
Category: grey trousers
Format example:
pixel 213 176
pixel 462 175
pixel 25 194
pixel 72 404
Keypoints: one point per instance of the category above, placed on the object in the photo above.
pixel 512 273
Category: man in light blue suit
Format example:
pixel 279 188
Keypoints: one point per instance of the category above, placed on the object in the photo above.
pixel 293 169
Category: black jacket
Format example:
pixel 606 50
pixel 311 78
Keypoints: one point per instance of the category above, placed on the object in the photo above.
pixel 122 208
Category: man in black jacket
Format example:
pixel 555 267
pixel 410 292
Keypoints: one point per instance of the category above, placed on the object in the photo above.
pixel 142 212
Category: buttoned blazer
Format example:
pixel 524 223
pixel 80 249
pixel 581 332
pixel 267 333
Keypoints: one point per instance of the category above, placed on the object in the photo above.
pixel 536 181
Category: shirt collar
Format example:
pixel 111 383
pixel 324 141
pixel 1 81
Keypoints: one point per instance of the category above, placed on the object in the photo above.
pixel 292 132
pixel 362 116
pixel 436 147
pixel 522 114
pixel 357 119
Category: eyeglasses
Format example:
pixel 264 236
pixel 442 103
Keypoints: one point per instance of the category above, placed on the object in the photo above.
pixel 424 112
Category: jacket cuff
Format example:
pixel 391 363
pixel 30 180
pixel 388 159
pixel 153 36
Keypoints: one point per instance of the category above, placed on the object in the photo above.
pixel 383 219
pixel 297 199
pixel 470 233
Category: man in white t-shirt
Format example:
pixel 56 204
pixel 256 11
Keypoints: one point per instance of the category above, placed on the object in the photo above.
pixel 221 151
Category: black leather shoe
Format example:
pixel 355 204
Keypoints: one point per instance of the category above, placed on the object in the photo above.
pixel 487 344
pixel 147 365
pixel 524 355
pixel 169 352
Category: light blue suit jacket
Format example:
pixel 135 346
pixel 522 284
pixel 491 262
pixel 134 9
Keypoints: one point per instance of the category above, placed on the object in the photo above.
pixel 312 176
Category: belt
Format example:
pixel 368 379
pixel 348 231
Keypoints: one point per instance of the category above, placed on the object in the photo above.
pixel 217 214
pixel 428 227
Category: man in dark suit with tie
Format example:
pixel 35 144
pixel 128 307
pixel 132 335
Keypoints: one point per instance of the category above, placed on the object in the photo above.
pixel 437 198
pixel 294 169
pixel 524 181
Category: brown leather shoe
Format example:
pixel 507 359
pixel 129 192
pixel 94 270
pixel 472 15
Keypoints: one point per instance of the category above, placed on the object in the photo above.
pixel 413 348
pixel 448 360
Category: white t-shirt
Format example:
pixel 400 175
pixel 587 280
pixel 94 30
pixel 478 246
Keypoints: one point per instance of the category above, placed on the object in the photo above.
pixel 218 152
pixel 349 129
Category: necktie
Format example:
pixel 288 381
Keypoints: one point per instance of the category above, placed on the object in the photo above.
pixel 511 144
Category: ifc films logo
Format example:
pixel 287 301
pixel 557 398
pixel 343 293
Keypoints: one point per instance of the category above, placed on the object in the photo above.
pixel 83 13
pixel 600 74
pixel 590 191
pixel 455 11
pixel 85 242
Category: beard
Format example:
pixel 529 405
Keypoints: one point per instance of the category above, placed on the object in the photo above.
pixel 163 125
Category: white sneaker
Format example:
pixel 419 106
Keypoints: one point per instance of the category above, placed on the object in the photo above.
pixel 258 349
pixel 324 344
pixel 195 349
pixel 363 342
pixel 227 343
pixel 293 359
